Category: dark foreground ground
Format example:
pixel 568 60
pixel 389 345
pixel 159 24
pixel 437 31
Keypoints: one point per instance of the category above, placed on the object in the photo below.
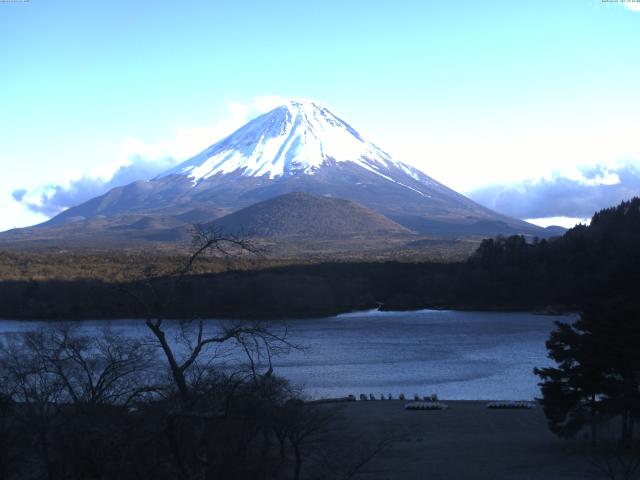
pixel 468 441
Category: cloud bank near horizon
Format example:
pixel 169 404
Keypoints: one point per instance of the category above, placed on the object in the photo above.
pixel 53 199
pixel 141 161
pixel 574 193
pixel 579 197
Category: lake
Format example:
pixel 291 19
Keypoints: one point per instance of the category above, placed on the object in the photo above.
pixel 454 354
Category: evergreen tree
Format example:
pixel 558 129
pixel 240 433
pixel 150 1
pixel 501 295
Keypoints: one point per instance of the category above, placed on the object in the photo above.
pixel 597 373
pixel 572 392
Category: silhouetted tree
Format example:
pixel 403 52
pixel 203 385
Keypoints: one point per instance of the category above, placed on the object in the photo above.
pixel 598 372
pixel 10 435
pixel 255 338
pixel 70 390
pixel 572 391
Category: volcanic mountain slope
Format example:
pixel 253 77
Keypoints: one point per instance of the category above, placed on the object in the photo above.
pixel 304 215
pixel 297 147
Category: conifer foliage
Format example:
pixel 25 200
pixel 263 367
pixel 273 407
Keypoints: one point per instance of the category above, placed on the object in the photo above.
pixel 597 376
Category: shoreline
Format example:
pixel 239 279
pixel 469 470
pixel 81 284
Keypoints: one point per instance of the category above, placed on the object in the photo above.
pixel 345 400
pixel 542 311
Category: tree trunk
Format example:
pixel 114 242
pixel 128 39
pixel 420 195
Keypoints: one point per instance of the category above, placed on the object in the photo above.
pixel 2 467
pixel 174 447
pixel 594 432
pixel 298 467
pixel 46 458
pixel 176 371
pixel 282 452
pixel 266 443
pixel 2 451
pixel 626 441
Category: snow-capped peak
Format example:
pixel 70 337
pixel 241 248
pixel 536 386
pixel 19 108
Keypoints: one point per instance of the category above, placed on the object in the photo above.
pixel 297 137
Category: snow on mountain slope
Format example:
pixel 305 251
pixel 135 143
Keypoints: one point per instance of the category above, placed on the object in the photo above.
pixel 298 147
pixel 295 138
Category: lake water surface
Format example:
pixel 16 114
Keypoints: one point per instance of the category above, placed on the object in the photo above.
pixel 457 355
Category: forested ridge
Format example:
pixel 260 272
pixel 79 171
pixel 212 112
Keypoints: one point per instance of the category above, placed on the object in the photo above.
pixel 601 260
pixel 596 379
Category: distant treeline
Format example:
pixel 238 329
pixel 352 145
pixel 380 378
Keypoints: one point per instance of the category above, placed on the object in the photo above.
pixel 600 260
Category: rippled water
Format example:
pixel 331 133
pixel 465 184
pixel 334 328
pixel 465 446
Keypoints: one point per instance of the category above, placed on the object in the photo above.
pixel 457 355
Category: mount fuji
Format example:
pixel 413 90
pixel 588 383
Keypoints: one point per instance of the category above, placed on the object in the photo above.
pixel 293 139
pixel 301 146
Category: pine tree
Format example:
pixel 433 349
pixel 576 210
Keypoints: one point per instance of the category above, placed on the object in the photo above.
pixel 598 371
pixel 572 392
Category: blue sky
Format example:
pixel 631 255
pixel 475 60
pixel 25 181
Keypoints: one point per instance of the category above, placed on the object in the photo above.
pixel 507 95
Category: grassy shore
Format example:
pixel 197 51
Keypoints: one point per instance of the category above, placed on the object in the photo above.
pixel 466 441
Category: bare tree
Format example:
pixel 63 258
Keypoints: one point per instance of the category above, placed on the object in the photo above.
pixel 299 424
pixel 36 389
pixel 11 435
pixel 106 368
pixel 257 339
pixel 66 382
pixel 617 463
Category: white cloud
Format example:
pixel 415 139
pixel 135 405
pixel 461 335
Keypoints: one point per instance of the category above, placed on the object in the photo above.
pixel 14 214
pixel 136 160
pixel 566 222
pixel 530 156
pixel 591 188
pixel 605 178
pixel 186 142
pixel 632 5
pixel 468 157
